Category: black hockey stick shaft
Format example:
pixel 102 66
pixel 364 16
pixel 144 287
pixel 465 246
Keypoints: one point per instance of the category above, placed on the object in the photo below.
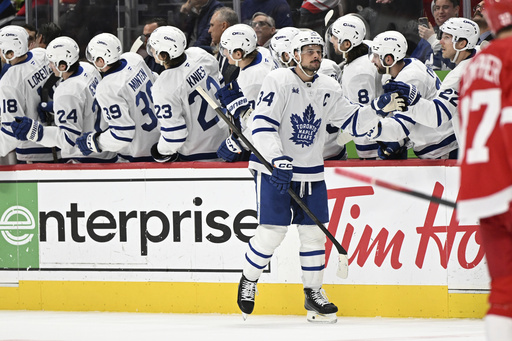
pixel 267 165
pixel 388 185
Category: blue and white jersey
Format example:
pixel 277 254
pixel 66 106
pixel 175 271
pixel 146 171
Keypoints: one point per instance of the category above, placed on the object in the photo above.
pixel 330 68
pixel 251 77
pixel 73 107
pixel 19 95
pixel 361 83
pixel 427 142
pixel 443 108
pixel 124 98
pixel 291 117
pixel 188 124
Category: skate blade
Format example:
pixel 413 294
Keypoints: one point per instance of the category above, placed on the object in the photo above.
pixel 315 317
pixel 244 316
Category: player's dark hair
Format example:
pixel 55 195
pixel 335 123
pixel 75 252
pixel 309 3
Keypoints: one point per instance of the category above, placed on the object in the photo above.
pixel 158 21
pixel 356 52
pixel 454 2
pixel 74 68
pixel 170 63
pixel 48 32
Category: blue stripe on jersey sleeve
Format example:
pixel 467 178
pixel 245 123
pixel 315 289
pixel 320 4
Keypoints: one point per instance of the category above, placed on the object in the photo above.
pixel 76 132
pixel 174 140
pixel 174 128
pixel 266 118
pixel 7 132
pixel 126 139
pixel 441 144
pixel 70 141
pixel 123 127
pixel 440 105
pixel 407 132
pixel 260 130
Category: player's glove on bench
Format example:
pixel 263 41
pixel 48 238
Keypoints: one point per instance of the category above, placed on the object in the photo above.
pixel 282 173
pixel 88 143
pixel 232 98
pixel 25 129
pixel 407 91
pixel 387 103
pixel 230 149
pixel 162 158
pixel 44 109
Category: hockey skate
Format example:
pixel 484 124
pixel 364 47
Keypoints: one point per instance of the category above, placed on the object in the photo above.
pixel 318 306
pixel 246 293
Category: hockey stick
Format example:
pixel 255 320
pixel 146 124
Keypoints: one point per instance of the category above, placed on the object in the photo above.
pixel 328 17
pixel 385 184
pixel 342 270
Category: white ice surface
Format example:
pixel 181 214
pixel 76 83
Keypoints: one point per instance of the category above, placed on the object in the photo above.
pixel 76 326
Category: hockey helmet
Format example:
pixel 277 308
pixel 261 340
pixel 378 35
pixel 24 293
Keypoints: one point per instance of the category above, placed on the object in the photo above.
pixel 389 43
pixel 106 46
pixel 13 38
pixel 351 28
pixel 166 39
pixel 63 49
pixel 281 43
pixel 239 36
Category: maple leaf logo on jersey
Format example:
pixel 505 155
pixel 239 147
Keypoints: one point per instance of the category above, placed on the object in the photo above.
pixel 305 128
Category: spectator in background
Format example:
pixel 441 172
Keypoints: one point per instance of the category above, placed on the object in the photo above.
pixel 264 26
pixel 312 14
pixel 222 18
pixel 196 21
pixel 277 9
pixel 432 55
pixel 478 17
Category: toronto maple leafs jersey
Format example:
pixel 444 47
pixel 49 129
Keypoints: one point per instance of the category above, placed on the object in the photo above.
pixel 73 107
pixel 19 96
pixel 443 108
pixel 251 77
pixel 427 142
pixel 361 83
pixel 291 117
pixel 188 124
pixel 124 98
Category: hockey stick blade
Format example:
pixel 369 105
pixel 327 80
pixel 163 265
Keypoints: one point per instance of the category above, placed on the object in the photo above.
pixel 328 17
pixel 342 271
pixel 267 165
pixel 388 185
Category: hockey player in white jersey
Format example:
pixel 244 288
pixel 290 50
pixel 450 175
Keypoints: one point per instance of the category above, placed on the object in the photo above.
pixel 458 43
pixel 288 129
pixel 280 46
pixel 360 82
pixel 72 104
pixel 238 43
pixel 19 92
pixel 388 55
pixel 124 98
pixel 190 129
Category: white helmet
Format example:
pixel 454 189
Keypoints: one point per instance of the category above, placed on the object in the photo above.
pixel 13 38
pixel 351 28
pixel 62 49
pixel 305 38
pixel 239 36
pixel 106 46
pixel 389 43
pixel 461 28
pixel 281 43
pixel 166 39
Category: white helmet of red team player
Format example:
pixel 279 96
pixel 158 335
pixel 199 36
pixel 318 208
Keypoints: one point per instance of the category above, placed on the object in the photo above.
pixel 498 14
pixel 105 46
pixel 238 37
pixel 167 39
pixel 13 39
pixel 281 43
pixel 351 28
pixel 389 43
pixel 62 49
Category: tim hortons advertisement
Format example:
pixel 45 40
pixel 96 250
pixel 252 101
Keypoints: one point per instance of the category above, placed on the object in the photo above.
pixel 194 224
